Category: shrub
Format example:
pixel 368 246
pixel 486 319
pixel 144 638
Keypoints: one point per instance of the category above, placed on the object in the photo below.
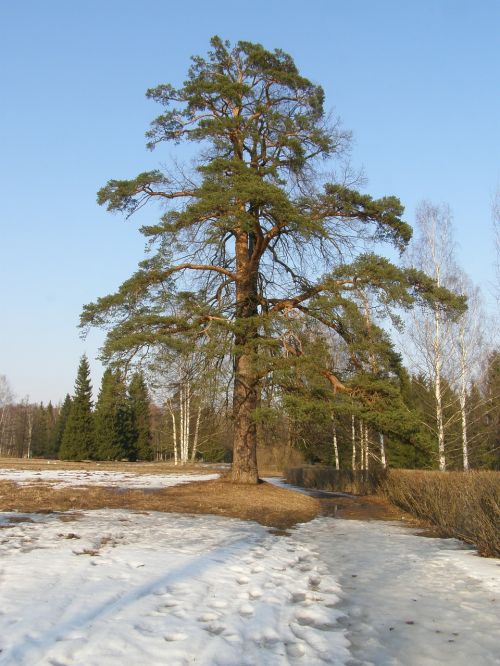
pixel 334 480
pixel 465 505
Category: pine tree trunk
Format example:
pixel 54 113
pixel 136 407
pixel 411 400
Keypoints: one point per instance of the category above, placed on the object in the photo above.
pixel 245 432
pixel 245 381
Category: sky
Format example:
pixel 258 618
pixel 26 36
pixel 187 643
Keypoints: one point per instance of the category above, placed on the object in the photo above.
pixel 417 83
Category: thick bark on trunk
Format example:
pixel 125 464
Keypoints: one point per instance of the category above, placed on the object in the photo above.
pixel 245 430
pixel 245 380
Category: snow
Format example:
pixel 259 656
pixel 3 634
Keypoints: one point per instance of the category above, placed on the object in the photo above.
pixel 116 587
pixel 409 599
pixel 65 478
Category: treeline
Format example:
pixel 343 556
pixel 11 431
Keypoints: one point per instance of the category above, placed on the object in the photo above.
pixel 403 434
pixel 298 414
pixel 118 428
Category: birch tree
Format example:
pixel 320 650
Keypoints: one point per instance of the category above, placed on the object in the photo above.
pixel 495 209
pixel 429 330
pixel 470 350
pixel 6 398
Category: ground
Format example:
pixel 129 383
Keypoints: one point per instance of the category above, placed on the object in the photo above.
pixel 40 486
pixel 130 586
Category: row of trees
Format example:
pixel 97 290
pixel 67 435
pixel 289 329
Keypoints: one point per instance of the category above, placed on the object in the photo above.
pixel 192 419
pixel 118 428
pixel 449 354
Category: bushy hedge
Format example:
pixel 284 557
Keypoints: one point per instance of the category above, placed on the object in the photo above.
pixel 334 480
pixel 465 505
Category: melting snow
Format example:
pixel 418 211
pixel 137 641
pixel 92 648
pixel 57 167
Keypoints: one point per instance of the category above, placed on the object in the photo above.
pixel 117 587
pixel 126 588
pixel 60 478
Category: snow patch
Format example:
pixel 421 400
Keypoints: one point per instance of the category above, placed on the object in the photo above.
pixel 64 478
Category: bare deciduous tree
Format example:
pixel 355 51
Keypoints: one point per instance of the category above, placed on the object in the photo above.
pixel 433 252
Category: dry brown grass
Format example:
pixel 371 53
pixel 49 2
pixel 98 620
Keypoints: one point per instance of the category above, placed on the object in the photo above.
pixel 465 505
pixel 263 503
pixel 37 464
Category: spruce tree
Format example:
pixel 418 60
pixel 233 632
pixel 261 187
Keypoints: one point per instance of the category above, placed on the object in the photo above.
pixel 141 418
pixel 78 440
pixel 39 432
pixel 114 420
pixel 51 423
pixel 257 237
pixel 59 426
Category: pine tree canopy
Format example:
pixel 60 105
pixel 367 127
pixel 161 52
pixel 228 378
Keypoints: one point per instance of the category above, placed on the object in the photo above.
pixel 260 238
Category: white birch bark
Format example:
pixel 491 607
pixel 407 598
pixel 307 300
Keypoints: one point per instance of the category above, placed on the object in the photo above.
pixel 353 437
pixel 196 431
pixel 361 446
pixel 382 450
pixel 29 416
pixel 433 252
pixel 335 446
pixel 188 417
pixel 470 351
pixel 174 430
pixel 463 397
pixel 438 362
pixel 366 446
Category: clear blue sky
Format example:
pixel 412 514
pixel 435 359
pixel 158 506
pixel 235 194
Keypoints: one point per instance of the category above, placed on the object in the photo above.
pixel 416 82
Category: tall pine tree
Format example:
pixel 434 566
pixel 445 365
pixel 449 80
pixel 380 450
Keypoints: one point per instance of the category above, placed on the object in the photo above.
pixel 256 237
pixel 78 440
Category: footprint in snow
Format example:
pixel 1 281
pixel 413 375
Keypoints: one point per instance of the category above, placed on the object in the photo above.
pixel 246 610
pixel 215 629
pixel 295 649
pixel 175 636
pixel 208 617
pixel 267 638
pixel 315 620
pixel 219 603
